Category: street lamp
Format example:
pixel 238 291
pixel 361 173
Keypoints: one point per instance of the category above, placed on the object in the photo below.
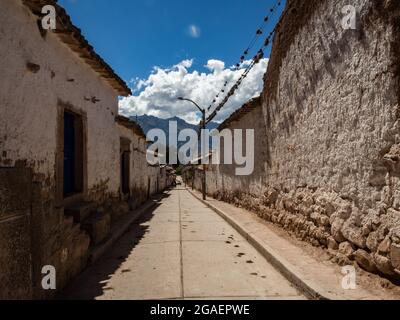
pixel 203 126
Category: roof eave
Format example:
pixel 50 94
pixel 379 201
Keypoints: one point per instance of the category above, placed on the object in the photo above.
pixel 71 35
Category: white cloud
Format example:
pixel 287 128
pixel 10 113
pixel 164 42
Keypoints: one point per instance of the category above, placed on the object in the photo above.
pixel 185 63
pixel 215 65
pixel 157 95
pixel 194 31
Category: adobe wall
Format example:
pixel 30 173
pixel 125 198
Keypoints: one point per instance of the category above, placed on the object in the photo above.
pixel 40 76
pixel 228 182
pixel 145 180
pixel 30 101
pixel 222 181
pixel 332 150
pixel 331 109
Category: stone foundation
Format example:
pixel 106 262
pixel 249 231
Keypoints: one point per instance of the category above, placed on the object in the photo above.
pixel 322 218
pixel 329 156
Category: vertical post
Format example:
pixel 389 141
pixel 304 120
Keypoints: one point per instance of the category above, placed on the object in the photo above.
pixel 193 173
pixel 203 138
pixel 204 155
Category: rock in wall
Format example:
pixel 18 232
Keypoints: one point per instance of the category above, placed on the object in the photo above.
pixel 331 106
pixel 331 103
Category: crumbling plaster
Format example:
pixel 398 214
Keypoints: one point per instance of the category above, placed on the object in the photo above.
pixel 331 103
pixel 30 101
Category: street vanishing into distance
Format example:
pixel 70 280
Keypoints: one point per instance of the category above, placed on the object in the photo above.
pixel 181 250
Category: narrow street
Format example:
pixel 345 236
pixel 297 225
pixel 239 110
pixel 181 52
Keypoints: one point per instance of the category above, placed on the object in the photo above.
pixel 181 249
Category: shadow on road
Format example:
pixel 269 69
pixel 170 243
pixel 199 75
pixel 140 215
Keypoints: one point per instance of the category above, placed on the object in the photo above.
pixel 92 282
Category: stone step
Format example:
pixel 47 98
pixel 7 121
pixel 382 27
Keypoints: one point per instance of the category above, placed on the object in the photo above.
pixel 80 211
pixel 98 227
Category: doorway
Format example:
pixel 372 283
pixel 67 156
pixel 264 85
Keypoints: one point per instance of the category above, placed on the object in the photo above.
pixel 125 154
pixel 125 160
pixel 73 154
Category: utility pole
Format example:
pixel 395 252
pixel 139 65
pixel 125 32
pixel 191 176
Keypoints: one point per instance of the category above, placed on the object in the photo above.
pixel 203 138
pixel 203 127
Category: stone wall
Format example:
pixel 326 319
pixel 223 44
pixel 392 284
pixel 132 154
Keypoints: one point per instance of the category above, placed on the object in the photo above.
pixel 331 107
pixel 332 150
pixel 15 240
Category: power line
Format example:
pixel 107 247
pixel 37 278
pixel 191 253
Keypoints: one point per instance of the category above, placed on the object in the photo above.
pixel 259 32
pixel 248 49
pixel 231 92
pixel 255 60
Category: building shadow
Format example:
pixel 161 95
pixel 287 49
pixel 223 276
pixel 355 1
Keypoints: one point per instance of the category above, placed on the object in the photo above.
pixel 93 281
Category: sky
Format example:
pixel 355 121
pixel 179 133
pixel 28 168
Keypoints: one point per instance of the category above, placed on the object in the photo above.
pixel 166 48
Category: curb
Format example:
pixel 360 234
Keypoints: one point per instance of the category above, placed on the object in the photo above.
pixel 307 287
pixel 118 230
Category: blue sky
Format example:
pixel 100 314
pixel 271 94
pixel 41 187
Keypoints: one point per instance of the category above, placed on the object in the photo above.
pixel 134 36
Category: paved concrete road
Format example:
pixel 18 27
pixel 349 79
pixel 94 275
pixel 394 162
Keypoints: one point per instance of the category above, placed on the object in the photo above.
pixel 179 250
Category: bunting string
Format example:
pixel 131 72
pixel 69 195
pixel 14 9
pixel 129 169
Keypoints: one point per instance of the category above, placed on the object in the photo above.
pixel 259 32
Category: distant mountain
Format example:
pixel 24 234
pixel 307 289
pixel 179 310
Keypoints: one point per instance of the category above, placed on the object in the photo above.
pixel 151 122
